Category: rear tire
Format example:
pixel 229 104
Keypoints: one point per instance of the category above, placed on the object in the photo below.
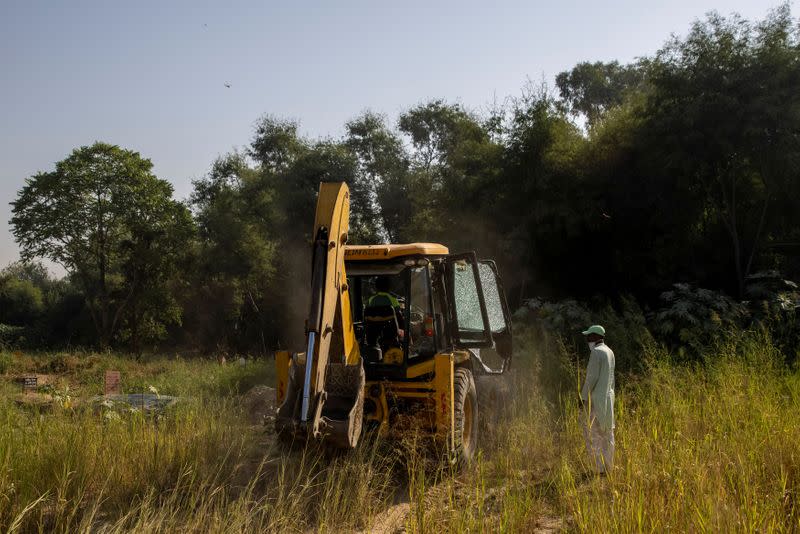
pixel 465 411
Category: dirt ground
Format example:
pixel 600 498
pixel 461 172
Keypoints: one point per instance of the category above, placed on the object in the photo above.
pixel 259 406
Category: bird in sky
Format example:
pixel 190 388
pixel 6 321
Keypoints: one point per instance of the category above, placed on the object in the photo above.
pixel 228 85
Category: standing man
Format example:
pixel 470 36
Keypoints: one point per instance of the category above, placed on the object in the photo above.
pixel 597 399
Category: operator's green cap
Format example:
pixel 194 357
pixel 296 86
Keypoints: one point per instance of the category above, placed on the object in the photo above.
pixel 595 329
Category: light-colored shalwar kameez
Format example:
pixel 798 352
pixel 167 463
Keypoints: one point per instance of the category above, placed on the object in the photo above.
pixel 598 397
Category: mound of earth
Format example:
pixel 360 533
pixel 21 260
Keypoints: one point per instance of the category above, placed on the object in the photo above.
pixel 259 404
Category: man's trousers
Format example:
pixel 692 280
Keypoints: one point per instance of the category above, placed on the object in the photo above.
pixel 600 444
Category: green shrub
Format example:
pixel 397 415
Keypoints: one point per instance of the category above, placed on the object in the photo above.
pixel 11 336
pixel 774 304
pixel 692 319
pixel 626 327
pixel 5 362
pixel 20 301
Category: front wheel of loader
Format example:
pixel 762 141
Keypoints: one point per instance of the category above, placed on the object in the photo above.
pixel 465 409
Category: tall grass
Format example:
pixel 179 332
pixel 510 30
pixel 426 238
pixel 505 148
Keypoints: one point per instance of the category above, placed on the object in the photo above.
pixel 69 462
pixel 287 493
pixel 198 467
pixel 703 448
pixel 713 447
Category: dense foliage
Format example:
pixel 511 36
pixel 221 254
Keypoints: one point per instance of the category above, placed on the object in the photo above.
pixel 681 168
pixel 114 227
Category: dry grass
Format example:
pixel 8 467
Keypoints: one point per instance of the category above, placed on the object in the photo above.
pixel 710 448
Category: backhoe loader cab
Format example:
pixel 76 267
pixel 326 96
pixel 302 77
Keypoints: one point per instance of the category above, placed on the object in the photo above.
pixel 442 301
pixel 395 332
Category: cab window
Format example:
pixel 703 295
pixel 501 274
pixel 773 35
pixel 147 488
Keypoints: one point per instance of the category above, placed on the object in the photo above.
pixel 468 309
pixel 491 295
pixel 420 314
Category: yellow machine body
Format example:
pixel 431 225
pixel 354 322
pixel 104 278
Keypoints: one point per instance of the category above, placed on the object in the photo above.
pixel 344 388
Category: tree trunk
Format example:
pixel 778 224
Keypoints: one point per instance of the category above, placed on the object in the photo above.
pixel 757 238
pixel 729 219
pixel 135 338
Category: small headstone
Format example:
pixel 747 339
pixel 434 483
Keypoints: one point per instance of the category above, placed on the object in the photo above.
pixel 112 383
pixel 30 383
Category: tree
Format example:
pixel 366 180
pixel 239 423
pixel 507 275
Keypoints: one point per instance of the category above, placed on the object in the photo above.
pixel 254 212
pixel 239 217
pixel 105 218
pixel 382 173
pixel 153 256
pixel 541 203
pixel 453 160
pixel 21 301
pixel 436 129
pixel 591 89
pixel 276 143
pixel 31 271
pixel 724 112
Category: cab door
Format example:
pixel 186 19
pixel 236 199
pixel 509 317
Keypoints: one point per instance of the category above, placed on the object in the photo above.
pixel 479 316
pixel 496 308
pixel 468 317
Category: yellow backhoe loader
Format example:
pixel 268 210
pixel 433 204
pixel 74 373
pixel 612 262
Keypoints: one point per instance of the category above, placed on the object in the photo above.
pixel 394 332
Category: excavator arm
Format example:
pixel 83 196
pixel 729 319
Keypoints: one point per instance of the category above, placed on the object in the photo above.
pixel 325 391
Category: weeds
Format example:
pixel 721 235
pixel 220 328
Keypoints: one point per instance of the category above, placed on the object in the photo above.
pixel 708 447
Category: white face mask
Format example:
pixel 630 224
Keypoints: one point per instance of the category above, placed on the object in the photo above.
pixel 592 345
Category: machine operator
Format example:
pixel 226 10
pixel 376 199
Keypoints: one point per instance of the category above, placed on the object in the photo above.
pixel 382 296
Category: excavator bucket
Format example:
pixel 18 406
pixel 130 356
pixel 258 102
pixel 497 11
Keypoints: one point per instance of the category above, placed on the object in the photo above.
pixel 288 417
pixel 343 411
pixel 341 414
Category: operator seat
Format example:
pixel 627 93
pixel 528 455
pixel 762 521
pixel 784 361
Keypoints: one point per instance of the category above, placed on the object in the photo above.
pixel 382 331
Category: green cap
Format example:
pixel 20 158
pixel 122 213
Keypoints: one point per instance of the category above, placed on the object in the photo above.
pixel 595 329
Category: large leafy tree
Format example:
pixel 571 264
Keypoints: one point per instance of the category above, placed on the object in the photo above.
pixel 255 211
pixel 723 114
pixel 591 89
pixel 109 221
pixel 238 215
pixel 541 202
pixel 382 174
pixel 294 166
pixel 452 161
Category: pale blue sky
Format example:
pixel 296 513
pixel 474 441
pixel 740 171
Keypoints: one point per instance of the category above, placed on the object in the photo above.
pixel 150 76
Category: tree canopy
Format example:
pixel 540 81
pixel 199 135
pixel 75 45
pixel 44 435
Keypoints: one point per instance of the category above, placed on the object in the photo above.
pixel 108 221
pixel 681 167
